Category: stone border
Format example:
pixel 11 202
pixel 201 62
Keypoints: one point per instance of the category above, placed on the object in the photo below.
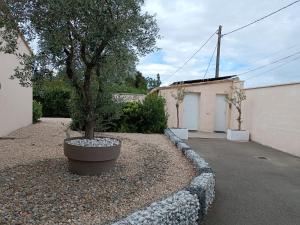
pixel 185 207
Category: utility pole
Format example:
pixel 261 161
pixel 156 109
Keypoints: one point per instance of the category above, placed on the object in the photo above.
pixel 219 33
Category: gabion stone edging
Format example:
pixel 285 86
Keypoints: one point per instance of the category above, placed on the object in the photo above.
pixel 186 207
pixel 181 208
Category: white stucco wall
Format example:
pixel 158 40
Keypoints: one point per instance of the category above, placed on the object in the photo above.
pixel 129 97
pixel 272 115
pixel 207 92
pixel 15 101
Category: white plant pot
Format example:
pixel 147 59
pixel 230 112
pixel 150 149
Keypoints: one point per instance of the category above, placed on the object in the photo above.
pixel 238 135
pixel 182 133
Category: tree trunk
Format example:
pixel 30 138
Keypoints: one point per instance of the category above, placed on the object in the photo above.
pixel 239 123
pixel 177 110
pixel 87 102
pixel 239 119
pixel 89 129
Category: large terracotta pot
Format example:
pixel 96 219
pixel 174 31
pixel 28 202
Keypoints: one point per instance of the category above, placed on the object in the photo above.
pixel 90 160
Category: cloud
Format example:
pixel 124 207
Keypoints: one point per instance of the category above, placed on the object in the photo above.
pixel 185 25
pixel 154 69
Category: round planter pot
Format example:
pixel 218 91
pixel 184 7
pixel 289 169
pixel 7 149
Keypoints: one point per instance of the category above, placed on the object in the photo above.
pixel 90 160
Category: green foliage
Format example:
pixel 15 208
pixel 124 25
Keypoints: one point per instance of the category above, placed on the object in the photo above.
pixel 153 83
pixel 55 96
pixel 36 111
pixel 132 117
pixel 56 102
pixel 133 83
pixel 154 115
pixel 123 88
pixel 146 117
pixel 96 42
pixel 140 81
pixel 107 114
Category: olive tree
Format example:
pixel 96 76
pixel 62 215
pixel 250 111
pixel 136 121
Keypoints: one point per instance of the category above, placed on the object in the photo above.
pixel 86 37
pixel 236 99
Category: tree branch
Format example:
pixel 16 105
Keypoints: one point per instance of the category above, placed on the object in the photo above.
pixel 70 67
pixel 83 55
pixel 98 53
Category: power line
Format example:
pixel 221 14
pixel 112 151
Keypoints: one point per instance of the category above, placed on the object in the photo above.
pixel 277 52
pixel 210 61
pixel 193 55
pixel 275 68
pixel 262 18
pixel 271 63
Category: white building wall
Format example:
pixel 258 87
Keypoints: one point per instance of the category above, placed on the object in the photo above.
pixel 15 100
pixel 272 115
pixel 207 92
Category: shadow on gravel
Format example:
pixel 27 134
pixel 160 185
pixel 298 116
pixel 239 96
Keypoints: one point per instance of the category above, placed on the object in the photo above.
pixel 45 192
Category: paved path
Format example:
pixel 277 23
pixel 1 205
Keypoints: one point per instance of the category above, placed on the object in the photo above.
pixel 251 191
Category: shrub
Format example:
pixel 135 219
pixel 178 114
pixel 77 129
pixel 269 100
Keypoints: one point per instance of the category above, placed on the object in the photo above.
pixel 123 88
pixel 55 98
pixel 56 102
pixel 131 119
pixel 107 115
pixel 154 118
pixel 36 111
pixel 146 117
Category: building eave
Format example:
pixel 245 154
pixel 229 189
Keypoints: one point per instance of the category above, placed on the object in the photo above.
pixel 195 84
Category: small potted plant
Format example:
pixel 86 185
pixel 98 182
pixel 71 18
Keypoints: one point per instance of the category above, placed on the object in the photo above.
pixel 238 96
pixel 179 97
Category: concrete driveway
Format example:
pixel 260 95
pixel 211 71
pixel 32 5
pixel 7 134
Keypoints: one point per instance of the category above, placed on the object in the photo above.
pixel 256 185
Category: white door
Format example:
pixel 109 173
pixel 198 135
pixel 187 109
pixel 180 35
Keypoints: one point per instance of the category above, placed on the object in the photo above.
pixel 221 113
pixel 191 111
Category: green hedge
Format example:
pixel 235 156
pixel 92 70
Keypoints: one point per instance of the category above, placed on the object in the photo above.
pixel 131 118
pixel 123 88
pixel 56 102
pixel 107 113
pixel 134 117
pixel 154 117
pixel 55 98
pixel 36 111
pixel 146 117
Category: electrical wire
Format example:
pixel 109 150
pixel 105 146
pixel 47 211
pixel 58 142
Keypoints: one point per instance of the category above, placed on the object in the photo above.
pixel 192 56
pixel 210 62
pixel 271 63
pixel 275 68
pixel 235 30
pixel 262 18
pixel 276 53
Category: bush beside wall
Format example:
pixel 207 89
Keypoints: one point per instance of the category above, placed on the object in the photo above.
pixel 154 118
pixel 55 98
pixel 37 109
pixel 148 116
pixel 56 102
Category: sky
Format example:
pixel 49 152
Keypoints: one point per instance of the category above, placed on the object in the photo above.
pixel 186 24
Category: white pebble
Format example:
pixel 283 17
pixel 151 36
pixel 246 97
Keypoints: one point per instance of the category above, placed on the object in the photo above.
pixel 96 142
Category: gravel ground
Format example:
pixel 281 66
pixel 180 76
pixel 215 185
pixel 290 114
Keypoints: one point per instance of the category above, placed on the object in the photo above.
pixel 36 188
